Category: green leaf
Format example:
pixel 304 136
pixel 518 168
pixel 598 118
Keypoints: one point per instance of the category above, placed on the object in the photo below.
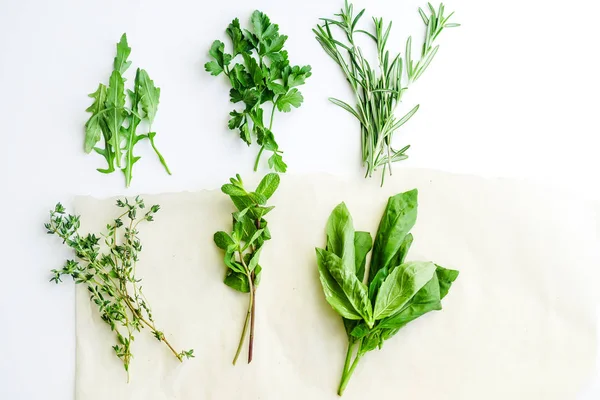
pixel 254 260
pixel 398 219
pixel 217 51
pixel 93 130
pixel 123 50
pixel 149 95
pixel 355 291
pixel 240 45
pixel 233 190
pixel 400 256
pixel 276 163
pixel 334 294
pixel 340 237
pixel 425 300
pixel 223 240
pixel 292 98
pixel 115 114
pixel 253 69
pixel 263 29
pixel 236 119
pixel 268 185
pixel 400 286
pixel 237 281
pixel 369 343
pixel 445 277
pixel 362 245
pixel 213 67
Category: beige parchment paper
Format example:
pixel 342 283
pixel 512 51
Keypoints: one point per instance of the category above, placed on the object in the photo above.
pixel 519 323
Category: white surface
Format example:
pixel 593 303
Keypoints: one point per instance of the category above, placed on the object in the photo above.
pixel 517 321
pixel 513 92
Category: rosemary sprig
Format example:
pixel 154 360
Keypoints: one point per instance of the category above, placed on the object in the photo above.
pixel 110 273
pixel 379 92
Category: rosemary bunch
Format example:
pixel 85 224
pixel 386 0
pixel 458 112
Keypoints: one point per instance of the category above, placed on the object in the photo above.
pixel 379 91
pixel 110 273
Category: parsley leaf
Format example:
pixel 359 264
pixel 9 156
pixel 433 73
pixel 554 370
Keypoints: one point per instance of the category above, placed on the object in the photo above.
pixel 259 72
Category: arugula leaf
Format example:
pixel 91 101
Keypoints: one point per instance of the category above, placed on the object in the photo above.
pixel 398 292
pixel 400 287
pixel 123 51
pixel 264 76
pixel 242 248
pixel 149 96
pixel 116 123
pixel 93 130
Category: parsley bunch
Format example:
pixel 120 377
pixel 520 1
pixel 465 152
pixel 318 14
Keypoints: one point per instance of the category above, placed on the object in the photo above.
pixel 265 76
pixel 117 120
pixel 378 90
pixel 109 272
pixel 375 303
pixel 243 246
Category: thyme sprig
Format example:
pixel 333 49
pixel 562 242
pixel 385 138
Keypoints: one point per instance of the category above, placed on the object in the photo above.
pixel 378 92
pixel 109 272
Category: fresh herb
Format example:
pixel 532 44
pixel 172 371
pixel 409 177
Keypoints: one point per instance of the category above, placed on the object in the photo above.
pixel 377 303
pixel 109 272
pixel 117 120
pixel 243 246
pixel 378 93
pixel 265 76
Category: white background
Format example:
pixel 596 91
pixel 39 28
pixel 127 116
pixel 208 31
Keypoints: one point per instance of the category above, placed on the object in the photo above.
pixel 512 93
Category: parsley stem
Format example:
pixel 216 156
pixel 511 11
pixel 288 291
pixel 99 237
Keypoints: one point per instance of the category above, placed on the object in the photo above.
pixel 262 148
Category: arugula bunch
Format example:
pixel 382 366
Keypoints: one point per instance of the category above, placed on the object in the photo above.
pixel 377 303
pixel 243 246
pixel 265 76
pixel 109 273
pixel 117 119
pixel 378 90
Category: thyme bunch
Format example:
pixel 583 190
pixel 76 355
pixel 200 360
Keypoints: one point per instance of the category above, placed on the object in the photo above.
pixel 109 272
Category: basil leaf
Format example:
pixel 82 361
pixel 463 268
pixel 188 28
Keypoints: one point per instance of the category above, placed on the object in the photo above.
pixel 400 286
pixel 427 299
pixel 334 294
pixel 398 219
pixel 445 277
pixel 362 245
pixel 355 291
pixel 340 236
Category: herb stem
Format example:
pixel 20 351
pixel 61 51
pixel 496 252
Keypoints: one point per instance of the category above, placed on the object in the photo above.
pixel 243 335
pixel 348 373
pixel 251 341
pixel 262 148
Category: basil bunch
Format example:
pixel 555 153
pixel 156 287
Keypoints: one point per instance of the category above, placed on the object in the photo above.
pixel 243 246
pixel 374 305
